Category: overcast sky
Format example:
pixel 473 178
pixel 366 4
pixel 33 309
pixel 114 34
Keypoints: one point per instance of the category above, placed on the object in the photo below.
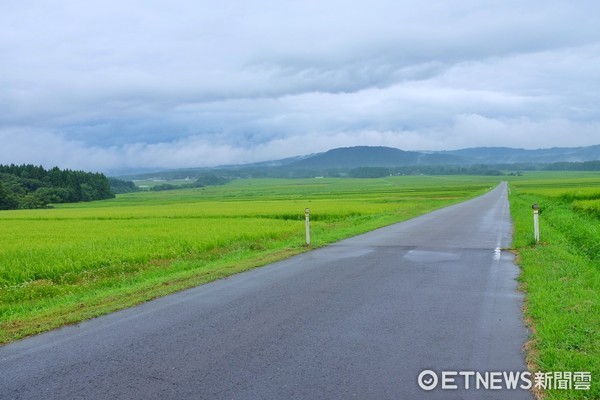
pixel 111 85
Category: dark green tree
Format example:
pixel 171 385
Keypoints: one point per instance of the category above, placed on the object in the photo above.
pixel 32 186
pixel 8 201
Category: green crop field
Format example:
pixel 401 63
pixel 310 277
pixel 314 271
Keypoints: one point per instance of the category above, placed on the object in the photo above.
pixel 561 275
pixel 77 261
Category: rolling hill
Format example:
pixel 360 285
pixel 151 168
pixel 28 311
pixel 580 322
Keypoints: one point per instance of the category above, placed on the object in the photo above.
pixel 366 156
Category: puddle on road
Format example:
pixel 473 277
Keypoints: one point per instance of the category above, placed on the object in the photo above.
pixel 427 256
pixel 334 252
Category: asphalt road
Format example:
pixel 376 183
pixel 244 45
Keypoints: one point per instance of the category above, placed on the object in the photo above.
pixel 358 319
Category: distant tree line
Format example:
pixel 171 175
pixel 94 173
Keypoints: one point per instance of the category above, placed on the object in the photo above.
pixel 201 181
pixel 574 166
pixel 119 186
pixel 30 186
pixel 364 172
pixel 379 172
pixel 369 172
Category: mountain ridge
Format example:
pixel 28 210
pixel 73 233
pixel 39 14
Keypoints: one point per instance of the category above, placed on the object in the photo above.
pixel 380 156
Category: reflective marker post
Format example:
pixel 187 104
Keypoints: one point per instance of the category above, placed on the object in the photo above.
pixel 536 222
pixel 307 217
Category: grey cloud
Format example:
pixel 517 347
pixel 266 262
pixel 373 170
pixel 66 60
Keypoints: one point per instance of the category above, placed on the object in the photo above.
pixel 199 83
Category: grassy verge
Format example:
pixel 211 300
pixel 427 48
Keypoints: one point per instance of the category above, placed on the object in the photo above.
pixel 561 279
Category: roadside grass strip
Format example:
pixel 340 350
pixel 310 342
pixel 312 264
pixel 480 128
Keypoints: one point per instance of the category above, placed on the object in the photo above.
pixel 561 279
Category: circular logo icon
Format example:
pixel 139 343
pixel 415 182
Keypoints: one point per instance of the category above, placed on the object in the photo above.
pixel 428 380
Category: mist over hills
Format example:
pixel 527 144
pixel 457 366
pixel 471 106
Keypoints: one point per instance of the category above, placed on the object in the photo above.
pixel 348 158
pixel 366 156
pixel 506 155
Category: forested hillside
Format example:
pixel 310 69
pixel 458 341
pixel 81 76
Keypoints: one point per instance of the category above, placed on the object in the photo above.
pixel 30 186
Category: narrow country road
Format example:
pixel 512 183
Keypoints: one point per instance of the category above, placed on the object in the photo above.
pixel 359 319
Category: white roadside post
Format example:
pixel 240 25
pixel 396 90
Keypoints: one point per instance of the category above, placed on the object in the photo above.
pixel 307 217
pixel 536 222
